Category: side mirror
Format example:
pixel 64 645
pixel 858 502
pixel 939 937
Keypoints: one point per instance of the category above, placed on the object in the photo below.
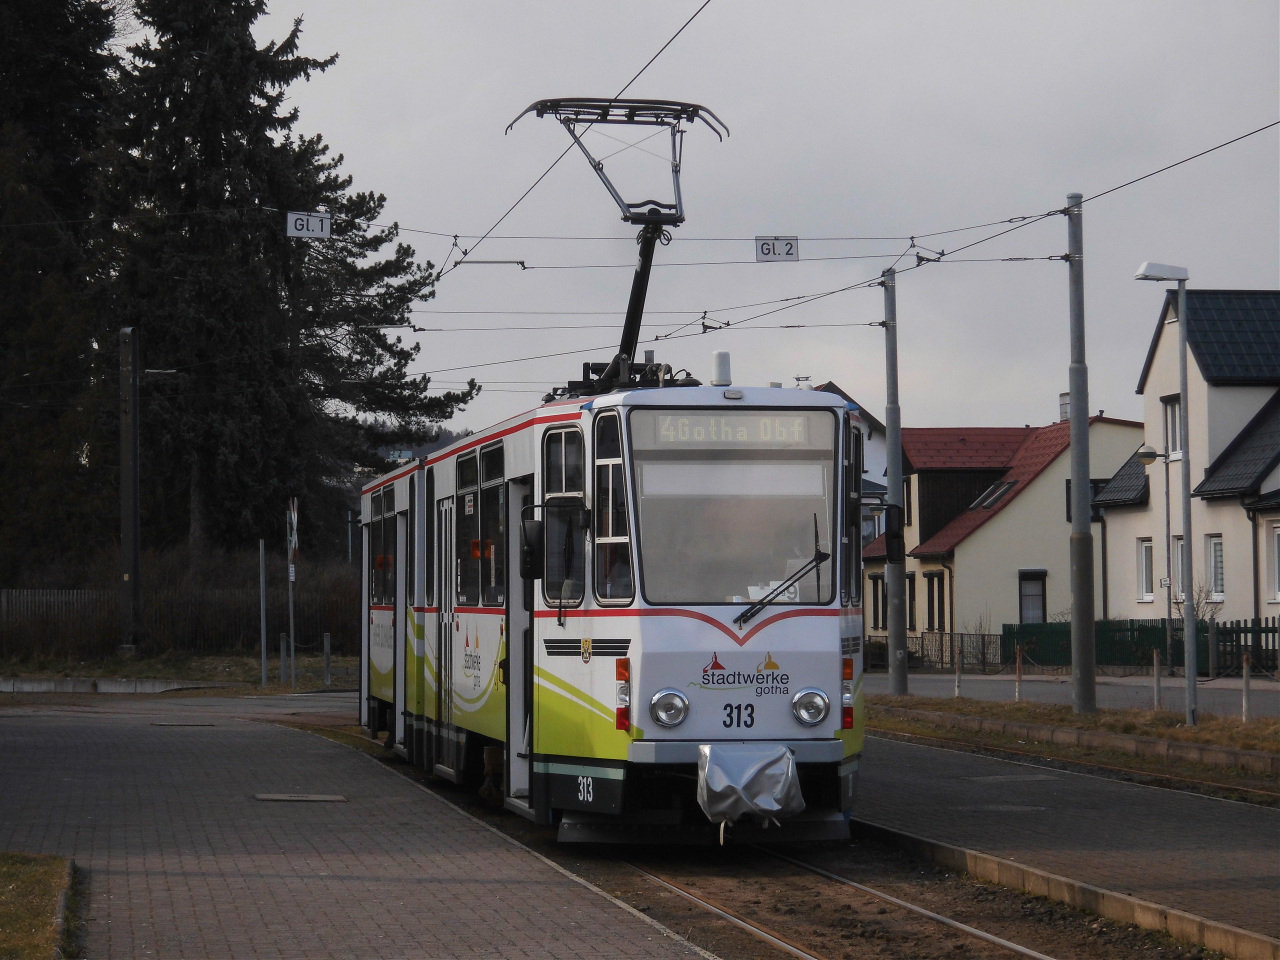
pixel 895 545
pixel 531 549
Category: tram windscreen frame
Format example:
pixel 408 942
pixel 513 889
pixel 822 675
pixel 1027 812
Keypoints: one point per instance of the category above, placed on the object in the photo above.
pixel 729 502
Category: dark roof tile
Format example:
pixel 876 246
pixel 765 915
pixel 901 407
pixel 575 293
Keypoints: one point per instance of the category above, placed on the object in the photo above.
pixel 1251 455
pixel 1234 335
pixel 1129 487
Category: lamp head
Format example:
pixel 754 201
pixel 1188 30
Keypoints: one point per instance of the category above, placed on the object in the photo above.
pixel 875 509
pixel 1160 271
pixel 1147 454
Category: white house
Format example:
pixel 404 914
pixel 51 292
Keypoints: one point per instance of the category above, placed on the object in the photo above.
pixel 1233 375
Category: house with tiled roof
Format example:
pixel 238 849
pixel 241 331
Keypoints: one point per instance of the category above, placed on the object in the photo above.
pixel 988 529
pixel 1233 386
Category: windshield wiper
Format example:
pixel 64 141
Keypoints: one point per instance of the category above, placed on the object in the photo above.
pixel 818 559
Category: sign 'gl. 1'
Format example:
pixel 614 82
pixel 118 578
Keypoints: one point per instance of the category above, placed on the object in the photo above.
pixel 316 225
pixel 777 248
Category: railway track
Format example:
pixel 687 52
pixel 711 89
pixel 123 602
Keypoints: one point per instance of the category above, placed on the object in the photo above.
pixel 788 945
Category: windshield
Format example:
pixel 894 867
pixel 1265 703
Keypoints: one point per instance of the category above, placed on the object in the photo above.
pixel 732 504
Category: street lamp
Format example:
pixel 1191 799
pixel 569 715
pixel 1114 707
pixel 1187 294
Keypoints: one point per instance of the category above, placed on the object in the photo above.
pixel 1147 455
pixel 1164 272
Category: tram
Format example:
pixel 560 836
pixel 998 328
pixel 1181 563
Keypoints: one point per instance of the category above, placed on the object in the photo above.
pixel 633 612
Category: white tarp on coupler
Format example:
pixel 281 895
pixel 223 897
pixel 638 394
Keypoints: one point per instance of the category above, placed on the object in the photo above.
pixel 756 780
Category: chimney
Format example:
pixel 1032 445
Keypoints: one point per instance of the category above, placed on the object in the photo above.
pixel 1064 407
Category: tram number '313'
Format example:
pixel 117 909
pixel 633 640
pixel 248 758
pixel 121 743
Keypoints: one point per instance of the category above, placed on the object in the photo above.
pixel 585 792
pixel 739 715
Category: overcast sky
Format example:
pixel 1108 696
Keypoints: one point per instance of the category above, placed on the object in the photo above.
pixel 848 119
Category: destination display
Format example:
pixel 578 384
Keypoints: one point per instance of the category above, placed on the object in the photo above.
pixel 761 429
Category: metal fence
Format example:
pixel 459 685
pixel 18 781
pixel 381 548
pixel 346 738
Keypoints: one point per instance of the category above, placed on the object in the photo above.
pixel 68 624
pixel 1130 643
pixel 978 652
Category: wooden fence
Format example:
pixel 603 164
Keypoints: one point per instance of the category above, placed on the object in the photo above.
pixel 69 624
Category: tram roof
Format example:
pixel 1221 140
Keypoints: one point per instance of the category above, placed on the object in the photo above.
pixel 565 411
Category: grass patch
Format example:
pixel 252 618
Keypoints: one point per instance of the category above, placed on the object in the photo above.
pixel 29 889
pixel 204 669
pixel 1260 733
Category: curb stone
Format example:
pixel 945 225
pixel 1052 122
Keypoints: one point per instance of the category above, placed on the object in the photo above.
pixel 1234 942
pixel 60 911
pixel 1254 761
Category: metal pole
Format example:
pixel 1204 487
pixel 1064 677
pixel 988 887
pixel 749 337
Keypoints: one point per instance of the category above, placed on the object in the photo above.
pixel 348 536
pixel 1246 663
pixel 959 660
pixel 1155 679
pixel 1083 666
pixel 284 640
pixel 130 495
pixel 262 603
pixel 1188 582
pixel 895 574
pixel 1017 678
pixel 293 666
pixel 1168 562
pixel 326 660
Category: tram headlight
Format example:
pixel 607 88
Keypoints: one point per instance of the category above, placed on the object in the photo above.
pixel 669 708
pixel 810 706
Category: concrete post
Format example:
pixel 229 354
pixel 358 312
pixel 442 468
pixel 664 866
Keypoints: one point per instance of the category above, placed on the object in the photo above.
pixel 1083 665
pixel 1188 545
pixel 895 575
pixel 130 496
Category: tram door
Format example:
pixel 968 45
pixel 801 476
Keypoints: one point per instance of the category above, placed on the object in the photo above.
pixel 519 651
pixel 446 752
pixel 399 594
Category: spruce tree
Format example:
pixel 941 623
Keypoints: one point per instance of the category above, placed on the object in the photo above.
pixel 285 385
pixel 56 78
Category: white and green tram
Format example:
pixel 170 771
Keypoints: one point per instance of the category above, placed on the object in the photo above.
pixel 636 614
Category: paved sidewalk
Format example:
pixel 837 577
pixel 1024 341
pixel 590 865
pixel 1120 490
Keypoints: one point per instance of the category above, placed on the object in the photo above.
pixel 1213 858
pixel 183 862
pixel 1220 697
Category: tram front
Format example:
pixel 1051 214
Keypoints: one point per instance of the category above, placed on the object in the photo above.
pixel 742 687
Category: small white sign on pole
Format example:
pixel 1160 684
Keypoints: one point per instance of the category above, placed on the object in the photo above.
pixel 777 248
pixel 315 225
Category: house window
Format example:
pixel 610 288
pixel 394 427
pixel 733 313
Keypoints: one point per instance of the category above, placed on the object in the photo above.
pixel 1275 560
pixel 935 600
pixel 911 602
pixel 1146 571
pixel 877 597
pixel 1178 595
pixel 1173 426
pixel 1031 596
pixel 906 501
pixel 1217 581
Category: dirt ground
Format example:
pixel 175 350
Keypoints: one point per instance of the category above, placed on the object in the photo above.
pixel 1260 733
pixel 177 666
pixel 29 889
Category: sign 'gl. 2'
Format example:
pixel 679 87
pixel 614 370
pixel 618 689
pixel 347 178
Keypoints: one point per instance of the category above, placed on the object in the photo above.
pixel 316 225
pixel 777 248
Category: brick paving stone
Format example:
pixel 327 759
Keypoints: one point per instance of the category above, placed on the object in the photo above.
pixel 183 862
pixel 1213 858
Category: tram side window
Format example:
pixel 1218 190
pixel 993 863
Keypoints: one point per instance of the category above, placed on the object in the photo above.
pixel 468 523
pixel 388 577
pixel 565 536
pixel 429 545
pixel 493 529
pixel 613 580
pixel 852 536
pixel 373 557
